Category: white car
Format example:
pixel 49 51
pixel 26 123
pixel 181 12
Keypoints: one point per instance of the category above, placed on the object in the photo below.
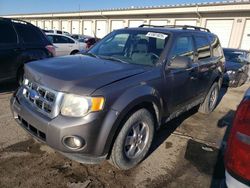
pixel 65 45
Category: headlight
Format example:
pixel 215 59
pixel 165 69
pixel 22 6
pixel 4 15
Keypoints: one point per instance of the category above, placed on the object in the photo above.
pixel 25 81
pixel 78 106
pixel 231 72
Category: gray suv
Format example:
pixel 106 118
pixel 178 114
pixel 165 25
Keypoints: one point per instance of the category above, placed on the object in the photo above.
pixel 108 102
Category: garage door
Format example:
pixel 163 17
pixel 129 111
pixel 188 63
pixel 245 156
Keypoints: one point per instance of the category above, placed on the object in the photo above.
pixel 186 22
pixel 116 24
pixel 47 25
pixel 33 22
pixel 135 23
pixel 40 24
pixel 101 28
pixel 245 43
pixel 56 24
pixel 75 27
pixel 87 28
pixel 222 28
pixel 158 22
pixel 65 26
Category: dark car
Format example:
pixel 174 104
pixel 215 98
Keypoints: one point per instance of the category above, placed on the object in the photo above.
pixel 20 42
pixel 108 103
pixel 236 67
pixel 237 154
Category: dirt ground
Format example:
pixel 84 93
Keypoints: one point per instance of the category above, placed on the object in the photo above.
pixel 186 153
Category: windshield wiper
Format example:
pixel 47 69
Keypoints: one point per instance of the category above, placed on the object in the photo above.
pixel 112 59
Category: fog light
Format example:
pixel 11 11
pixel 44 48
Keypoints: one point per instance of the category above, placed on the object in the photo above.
pixel 73 142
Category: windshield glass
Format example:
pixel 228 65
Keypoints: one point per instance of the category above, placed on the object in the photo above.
pixel 131 46
pixel 236 56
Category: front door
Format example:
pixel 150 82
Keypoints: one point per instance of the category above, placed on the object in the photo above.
pixel 180 82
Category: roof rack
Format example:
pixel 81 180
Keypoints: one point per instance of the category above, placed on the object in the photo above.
pixel 15 20
pixel 178 26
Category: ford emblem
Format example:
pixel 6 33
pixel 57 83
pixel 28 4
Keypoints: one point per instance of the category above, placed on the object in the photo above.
pixel 34 95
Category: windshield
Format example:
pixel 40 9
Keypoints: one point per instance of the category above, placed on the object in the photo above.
pixel 237 56
pixel 131 46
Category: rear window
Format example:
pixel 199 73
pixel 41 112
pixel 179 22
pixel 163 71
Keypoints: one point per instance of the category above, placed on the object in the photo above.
pixel 7 33
pixel 215 45
pixel 28 34
pixel 203 47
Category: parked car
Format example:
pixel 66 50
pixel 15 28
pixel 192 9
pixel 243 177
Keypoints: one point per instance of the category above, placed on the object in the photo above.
pixel 90 42
pixel 237 154
pixel 80 37
pixel 236 67
pixel 65 45
pixel 56 32
pixel 20 42
pixel 108 103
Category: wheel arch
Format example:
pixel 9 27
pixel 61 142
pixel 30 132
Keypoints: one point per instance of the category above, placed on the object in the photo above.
pixel 148 100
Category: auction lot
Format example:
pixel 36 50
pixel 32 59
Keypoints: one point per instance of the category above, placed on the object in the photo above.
pixel 185 153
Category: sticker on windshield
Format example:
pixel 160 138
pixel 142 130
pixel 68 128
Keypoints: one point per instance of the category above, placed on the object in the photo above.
pixel 157 35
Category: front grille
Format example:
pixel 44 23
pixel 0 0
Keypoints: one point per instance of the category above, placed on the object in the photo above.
pixel 34 131
pixel 44 100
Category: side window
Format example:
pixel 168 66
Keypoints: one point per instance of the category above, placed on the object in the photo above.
pixel 203 47
pixel 183 47
pixel 62 39
pixel 28 34
pixel 69 40
pixel 216 47
pixel 59 32
pixel 7 33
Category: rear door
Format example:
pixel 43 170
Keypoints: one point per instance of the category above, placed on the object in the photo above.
pixel 207 64
pixel 9 51
pixel 181 82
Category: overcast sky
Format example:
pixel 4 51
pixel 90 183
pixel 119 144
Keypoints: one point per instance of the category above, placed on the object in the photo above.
pixel 39 6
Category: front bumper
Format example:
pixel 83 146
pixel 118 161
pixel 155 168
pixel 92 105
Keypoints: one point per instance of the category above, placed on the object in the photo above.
pixel 52 131
pixel 235 80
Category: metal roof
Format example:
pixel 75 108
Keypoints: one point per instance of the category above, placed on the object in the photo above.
pixel 217 3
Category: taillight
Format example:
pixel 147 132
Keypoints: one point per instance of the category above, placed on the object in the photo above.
pixel 51 50
pixel 237 156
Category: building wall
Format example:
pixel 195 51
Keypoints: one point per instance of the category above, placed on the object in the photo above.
pixel 100 23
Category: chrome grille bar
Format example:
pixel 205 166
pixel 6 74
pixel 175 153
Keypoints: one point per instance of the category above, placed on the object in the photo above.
pixel 44 100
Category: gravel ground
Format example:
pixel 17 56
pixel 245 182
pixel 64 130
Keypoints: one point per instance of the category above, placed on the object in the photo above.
pixel 186 153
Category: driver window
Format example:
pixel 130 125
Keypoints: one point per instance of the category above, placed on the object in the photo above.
pixel 183 47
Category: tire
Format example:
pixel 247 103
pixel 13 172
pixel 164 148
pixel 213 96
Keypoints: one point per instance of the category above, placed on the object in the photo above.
pixel 209 104
pixel 19 76
pixel 125 156
pixel 74 52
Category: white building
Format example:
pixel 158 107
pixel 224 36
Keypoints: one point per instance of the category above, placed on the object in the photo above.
pixel 230 20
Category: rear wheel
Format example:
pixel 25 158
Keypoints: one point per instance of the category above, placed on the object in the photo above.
pixel 211 99
pixel 74 52
pixel 134 140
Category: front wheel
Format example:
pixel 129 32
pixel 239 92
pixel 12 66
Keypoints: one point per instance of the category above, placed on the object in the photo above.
pixel 133 141
pixel 211 99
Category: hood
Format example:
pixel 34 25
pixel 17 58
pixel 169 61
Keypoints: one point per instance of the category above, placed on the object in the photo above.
pixel 79 74
pixel 230 65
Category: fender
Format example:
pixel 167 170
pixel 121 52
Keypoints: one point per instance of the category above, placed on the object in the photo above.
pixel 122 106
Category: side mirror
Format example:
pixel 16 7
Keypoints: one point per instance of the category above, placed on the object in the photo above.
pixel 180 62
